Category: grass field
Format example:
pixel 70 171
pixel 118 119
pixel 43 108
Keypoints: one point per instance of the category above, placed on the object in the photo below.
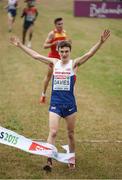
pixel 98 92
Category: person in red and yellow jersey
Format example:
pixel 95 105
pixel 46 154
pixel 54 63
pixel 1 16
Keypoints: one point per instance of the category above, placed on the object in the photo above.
pixel 52 40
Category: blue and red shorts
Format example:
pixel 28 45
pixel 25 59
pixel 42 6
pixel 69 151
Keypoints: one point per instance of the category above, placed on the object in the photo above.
pixel 63 110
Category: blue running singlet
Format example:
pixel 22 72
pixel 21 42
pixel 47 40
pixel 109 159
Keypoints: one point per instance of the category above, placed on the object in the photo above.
pixel 63 84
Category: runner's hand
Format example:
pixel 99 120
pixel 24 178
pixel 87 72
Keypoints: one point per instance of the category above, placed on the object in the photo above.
pixel 15 41
pixel 105 35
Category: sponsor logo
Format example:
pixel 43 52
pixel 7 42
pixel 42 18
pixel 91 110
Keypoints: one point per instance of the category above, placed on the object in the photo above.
pixel 53 107
pixel 37 147
pixel 103 11
pixel 71 109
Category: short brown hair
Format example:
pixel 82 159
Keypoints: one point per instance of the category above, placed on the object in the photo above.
pixel 57 19
pixel 65 43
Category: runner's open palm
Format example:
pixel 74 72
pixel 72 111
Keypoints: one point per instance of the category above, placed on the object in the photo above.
pixel 105 35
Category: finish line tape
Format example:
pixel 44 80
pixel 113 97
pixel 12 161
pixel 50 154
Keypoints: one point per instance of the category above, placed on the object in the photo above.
pixel 13 139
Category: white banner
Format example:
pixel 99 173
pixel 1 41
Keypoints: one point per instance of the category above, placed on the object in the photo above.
pixel 11 138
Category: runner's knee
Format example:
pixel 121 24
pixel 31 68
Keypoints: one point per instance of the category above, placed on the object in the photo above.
pixel 53 133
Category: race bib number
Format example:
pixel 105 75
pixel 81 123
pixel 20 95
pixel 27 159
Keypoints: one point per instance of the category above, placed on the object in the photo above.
pixel 61 83
pixel 30 17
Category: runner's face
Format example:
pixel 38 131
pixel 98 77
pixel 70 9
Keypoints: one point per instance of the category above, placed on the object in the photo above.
pixel 64 53
pixel 59 25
